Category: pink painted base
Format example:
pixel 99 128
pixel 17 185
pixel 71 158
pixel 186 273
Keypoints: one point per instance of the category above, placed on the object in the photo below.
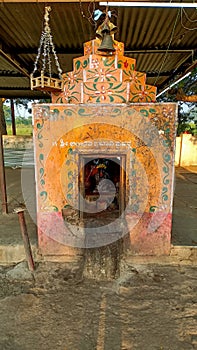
pixel 149 234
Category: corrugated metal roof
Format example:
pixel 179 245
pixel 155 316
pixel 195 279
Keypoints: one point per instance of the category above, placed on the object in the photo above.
pixel 157 38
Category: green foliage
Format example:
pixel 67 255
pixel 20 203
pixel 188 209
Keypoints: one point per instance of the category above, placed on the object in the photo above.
pixel 187 119
pixel 7 114
pixel 189 128
pixel 23 124
pixel 21 129
pixel 22 111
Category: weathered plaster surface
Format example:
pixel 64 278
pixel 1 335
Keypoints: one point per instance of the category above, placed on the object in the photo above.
pixel 145 133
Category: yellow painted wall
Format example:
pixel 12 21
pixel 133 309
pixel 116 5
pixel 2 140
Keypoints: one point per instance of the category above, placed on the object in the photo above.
pixel 186 150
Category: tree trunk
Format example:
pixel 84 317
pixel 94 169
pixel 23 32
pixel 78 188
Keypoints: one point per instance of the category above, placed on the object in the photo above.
pixel 3 129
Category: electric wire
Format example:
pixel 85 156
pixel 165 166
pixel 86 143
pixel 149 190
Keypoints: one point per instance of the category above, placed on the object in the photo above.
pixel 170 41
pixel 195 28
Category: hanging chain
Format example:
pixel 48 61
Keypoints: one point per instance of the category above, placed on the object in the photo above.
pixel 39 53
pixel 56 58
pixel 46 42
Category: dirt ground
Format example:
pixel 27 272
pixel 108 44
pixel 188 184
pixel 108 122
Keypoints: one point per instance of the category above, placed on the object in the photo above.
pixel 149 307
pixel 145 307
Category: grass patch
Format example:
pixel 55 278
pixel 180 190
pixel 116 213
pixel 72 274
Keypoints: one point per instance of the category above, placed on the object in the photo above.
pixel 21 130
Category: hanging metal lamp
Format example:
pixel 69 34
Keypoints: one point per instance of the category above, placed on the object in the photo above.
pixel 45 81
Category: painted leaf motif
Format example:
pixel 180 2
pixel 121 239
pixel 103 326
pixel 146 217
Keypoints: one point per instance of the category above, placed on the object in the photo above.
pixel 89 88
pixel 111 78
pixel 56 111
pixel 166 181
pixel 59 100
pixel 44 195
pixel 153 208
pixel 108 62
pixel 136 207
pixel 82 111
pixel 116 112
pixel 67 206
pixel 68 112
pixel 121 97
pixel 39 125
pixel 70 186
pixel 148 98
pixel 73 98
pixel 115 87
pixel 126 73
pixel 55 208
pixel 165 169
pixel 131 111
pixel 167 157
pixel 166 143
pixel 77 64
pixel 70 174
pixel 120 91
pixel 85 63
pixel 71 87
pixel 41 171
pixel 144 112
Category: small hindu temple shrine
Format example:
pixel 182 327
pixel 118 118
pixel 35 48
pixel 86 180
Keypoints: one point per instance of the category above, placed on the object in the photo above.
pixel 104 156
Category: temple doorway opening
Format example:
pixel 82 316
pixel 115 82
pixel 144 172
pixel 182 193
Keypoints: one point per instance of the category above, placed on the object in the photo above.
pixel 102 187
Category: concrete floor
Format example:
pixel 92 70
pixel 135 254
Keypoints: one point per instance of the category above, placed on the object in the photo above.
pixel 21 189
pixel 184 224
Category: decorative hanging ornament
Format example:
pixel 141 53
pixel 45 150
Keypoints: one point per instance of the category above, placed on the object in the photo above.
pixel 105 33
pixel 46 81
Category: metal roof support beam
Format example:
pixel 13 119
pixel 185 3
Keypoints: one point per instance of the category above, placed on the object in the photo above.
pixel 10 74
pixel 42 1
pixel 170 81
pixel 72 51
pixel 16 65
pixel 11 88
pixel 149 4
pixel 148 51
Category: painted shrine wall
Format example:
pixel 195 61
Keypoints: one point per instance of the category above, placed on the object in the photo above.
pixel 143 133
